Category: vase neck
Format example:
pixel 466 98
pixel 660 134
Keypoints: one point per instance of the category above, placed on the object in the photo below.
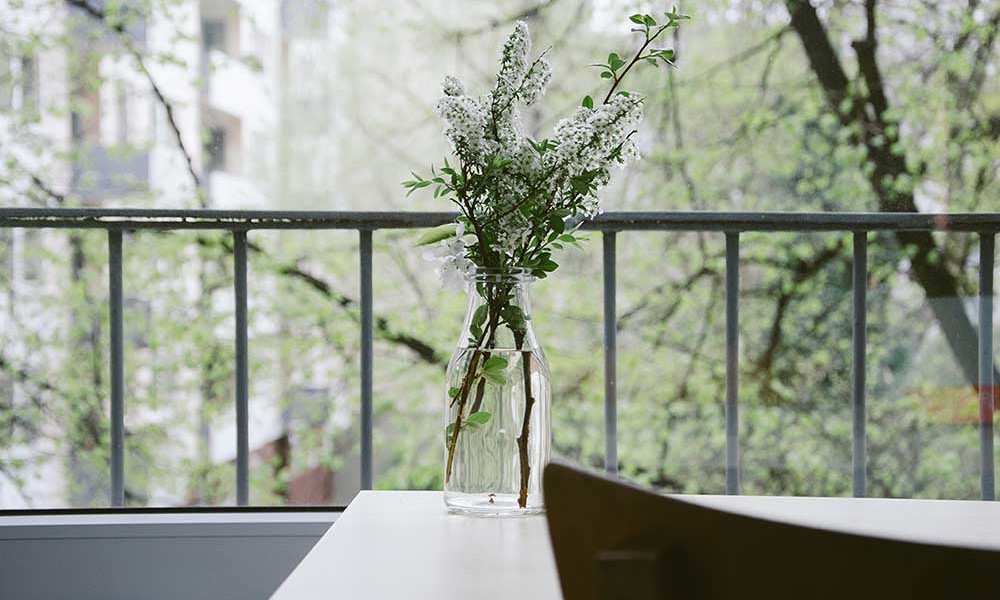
pixel 499 312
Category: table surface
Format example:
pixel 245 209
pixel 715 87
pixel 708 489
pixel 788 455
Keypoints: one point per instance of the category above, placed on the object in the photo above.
pixel 406 545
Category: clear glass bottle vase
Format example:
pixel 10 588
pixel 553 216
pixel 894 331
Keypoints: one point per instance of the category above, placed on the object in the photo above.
pixel 497 402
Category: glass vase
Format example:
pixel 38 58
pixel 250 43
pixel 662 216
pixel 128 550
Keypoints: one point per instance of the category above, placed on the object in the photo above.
pixel 497 402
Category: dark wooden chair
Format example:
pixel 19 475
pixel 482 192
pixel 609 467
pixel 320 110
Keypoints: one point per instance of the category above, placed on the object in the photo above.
pixel 616 541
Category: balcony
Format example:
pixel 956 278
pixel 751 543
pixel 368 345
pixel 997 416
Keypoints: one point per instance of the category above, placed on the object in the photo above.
pixel 102 172
pixel 347 541
pixel 230 191
pixel 234 88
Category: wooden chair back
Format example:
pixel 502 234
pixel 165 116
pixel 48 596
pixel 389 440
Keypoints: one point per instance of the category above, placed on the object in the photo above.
pixel 616 541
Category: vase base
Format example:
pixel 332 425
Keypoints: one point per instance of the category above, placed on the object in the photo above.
pixel 489 505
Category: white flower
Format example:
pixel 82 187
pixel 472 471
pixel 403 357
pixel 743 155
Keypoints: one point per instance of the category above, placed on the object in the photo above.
pixel 514 230
pixel 466 125
pixel 534 83
pixel 453 86
pixel 513 64
pixel 454 268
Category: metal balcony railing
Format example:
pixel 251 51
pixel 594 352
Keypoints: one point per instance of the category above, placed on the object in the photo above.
pixel 239 223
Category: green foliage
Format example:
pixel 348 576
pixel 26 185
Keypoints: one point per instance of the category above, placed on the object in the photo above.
pixel 437 234
pixel 751 131
pixel 479 418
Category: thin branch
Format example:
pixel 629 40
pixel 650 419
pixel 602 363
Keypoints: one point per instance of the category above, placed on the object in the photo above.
pixel 744 55
pixel 678 126
pixel 803 271
pixel 385 331
pixel 529 12
pixel 125 39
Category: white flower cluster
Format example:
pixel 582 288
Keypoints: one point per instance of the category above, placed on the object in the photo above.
pixel 513 66
pixel 513 231
pixel 488 131
pixel 453 86
pixel 466 123
pixel 595 140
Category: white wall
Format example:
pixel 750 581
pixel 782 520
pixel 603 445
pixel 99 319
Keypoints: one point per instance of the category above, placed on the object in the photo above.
pixel 182 556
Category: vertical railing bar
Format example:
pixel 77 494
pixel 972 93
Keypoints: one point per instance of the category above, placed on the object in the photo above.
pixel 117 342
pixel 987 391
pixel 242 370
pixel 610 355
pixel 859 280
pixel 732 363
pixel 367 343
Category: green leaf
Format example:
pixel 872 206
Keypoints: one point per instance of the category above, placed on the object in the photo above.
pixel 448 433
pixel 478 318
pixel 607 74
pixel 495 363
pixel 588 102
pixel 453 392
pixel 514 317
pixel 495 377
pixel 436 234
pixel 615 61
pixel 649 20
pixel 479 418
pixel 549 266
pixel 637 18
pixel 580 185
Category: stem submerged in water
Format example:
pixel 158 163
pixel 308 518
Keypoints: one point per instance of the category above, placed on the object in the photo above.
pixel 485 343
pixel 468 402
pixel 463 396
pixel 522 440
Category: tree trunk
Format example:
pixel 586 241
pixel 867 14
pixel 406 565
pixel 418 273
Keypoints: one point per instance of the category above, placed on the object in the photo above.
pixel 867 116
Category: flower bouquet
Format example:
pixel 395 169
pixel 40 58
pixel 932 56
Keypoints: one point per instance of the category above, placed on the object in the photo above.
pixel 520 199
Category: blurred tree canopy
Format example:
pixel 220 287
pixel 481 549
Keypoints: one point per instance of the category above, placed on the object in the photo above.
pixel 792 105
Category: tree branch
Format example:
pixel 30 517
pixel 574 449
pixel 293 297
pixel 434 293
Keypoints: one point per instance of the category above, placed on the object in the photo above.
pixel 124 38
pixel 802 271
pixel 527 12
pixel 385 331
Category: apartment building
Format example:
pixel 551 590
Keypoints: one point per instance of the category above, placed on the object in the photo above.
pixel 181 108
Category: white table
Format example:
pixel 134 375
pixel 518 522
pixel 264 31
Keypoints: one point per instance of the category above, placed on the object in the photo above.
pixel 404 545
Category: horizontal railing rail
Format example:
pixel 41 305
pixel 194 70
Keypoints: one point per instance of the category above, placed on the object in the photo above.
pixel 731 224
pixel 245 220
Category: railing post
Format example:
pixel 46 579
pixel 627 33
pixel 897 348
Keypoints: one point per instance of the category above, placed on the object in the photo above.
pixel 732 362
pixel 610 355
pixel 242 370
pixel 987 392
pixel 117 342
pixel 367 343
pixel 859 281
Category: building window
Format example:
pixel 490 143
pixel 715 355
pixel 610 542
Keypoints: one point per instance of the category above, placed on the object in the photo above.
pixel 213 34
pixel 122 106
pixel 6 78
pixel 215 149
pixel 86 117
pixel 29 83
